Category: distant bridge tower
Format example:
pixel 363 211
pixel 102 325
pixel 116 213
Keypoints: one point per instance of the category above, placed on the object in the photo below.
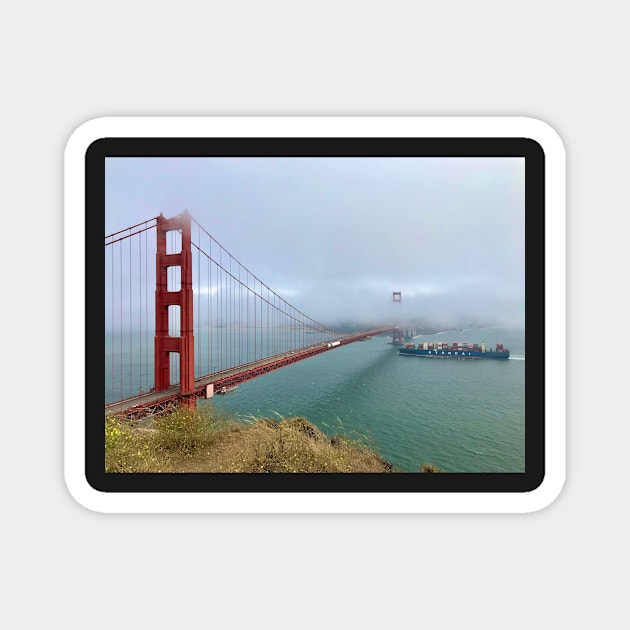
pixel 397 335
pixel 184 345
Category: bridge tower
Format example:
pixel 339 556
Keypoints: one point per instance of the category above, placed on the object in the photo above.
pixel 397 335
pixel 184 345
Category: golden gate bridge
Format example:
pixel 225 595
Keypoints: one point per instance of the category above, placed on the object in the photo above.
pixel 184 320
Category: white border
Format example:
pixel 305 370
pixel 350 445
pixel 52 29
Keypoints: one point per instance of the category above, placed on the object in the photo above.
pixel 74 320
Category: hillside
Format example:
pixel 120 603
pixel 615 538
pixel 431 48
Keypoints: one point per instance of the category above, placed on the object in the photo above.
pixel 188 441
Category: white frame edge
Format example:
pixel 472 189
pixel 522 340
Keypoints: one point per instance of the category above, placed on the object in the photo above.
pixel 310 503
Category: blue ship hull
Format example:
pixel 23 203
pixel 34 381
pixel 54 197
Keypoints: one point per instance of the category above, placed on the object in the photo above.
pixel 453 354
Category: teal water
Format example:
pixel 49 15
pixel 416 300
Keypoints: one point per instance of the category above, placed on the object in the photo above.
pixel 460 415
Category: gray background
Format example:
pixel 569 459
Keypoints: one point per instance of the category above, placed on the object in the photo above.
pixel 67 62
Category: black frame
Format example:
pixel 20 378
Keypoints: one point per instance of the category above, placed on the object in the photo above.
pixel 526 148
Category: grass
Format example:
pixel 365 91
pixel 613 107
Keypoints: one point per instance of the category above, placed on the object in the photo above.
pixel 203 441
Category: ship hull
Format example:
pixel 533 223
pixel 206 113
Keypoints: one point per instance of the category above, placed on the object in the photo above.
pixel 453 354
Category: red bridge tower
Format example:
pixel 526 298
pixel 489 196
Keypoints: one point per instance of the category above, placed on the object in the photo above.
pixel 164 343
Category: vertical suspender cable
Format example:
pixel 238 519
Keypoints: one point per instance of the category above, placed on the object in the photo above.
pixel 130 326
pixel 198 353
pixel 113 328
pixel 231 322
pixel 146 311
pixel 267 327
pixel 222 314
pixel 120 395
pixel 209 323
pixel 212 348
pixel 140 339
pixel 240 314
pixel 249 345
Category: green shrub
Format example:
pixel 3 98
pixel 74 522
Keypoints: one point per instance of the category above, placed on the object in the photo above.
pixel 184 430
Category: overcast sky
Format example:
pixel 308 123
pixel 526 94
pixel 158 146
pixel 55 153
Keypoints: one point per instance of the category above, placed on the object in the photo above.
pixel 336 236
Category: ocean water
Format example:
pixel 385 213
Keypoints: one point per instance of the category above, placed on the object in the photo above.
pixel 460 415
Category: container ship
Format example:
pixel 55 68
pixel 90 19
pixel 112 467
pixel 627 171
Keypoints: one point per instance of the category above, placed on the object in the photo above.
pixel 456 350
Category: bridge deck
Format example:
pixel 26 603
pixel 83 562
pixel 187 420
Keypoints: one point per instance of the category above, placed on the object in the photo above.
pixel 155 402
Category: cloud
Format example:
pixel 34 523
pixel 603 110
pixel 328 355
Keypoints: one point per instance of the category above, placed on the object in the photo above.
pixel 336 236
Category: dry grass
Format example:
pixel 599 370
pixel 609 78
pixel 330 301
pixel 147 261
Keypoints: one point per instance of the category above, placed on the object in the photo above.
pixel 292 445
pixel 188 441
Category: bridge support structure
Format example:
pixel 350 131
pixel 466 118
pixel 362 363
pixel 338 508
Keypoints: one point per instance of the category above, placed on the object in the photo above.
pixel 184 345
pixel 397 335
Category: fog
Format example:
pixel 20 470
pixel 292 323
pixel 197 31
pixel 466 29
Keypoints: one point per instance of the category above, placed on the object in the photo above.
pixel 336 236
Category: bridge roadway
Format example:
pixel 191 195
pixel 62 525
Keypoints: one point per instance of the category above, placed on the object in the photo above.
pixel 153 403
